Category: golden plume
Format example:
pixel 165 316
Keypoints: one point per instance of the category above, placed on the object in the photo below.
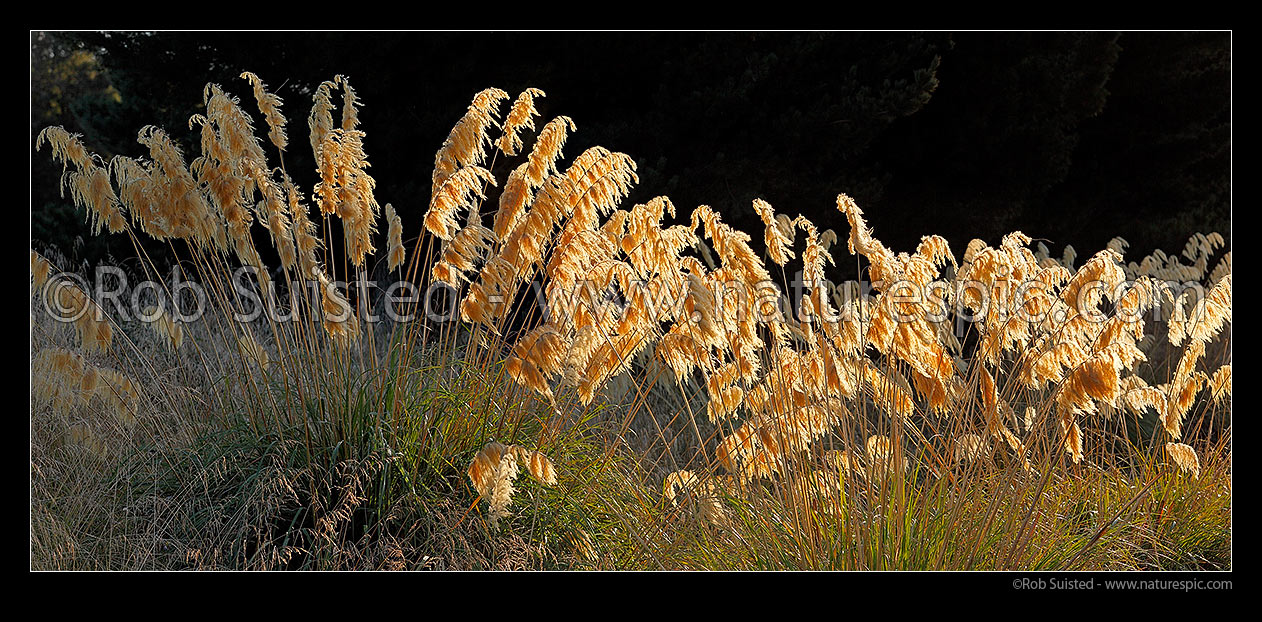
pixel 90 182
pixel 521 115
pixel 1220 384
pixel 547 150
pixel 496 466
pixel 1185 457
pixel 466 144
pixel 395 235
pixel 456 193
pixel 269 105
pixel 779 242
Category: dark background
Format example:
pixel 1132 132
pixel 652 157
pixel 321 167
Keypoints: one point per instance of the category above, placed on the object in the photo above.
pixel 1070 137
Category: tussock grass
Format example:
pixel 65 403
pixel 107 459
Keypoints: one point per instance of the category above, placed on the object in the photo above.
pixel 673 409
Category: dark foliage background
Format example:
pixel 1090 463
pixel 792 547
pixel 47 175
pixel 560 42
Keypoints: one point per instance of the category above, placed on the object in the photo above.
pixel 1069 137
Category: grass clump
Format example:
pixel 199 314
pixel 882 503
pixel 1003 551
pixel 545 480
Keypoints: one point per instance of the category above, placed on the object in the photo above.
pixel 673 403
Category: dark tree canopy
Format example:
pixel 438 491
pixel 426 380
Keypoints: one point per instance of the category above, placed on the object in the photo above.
pixel 1070 137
